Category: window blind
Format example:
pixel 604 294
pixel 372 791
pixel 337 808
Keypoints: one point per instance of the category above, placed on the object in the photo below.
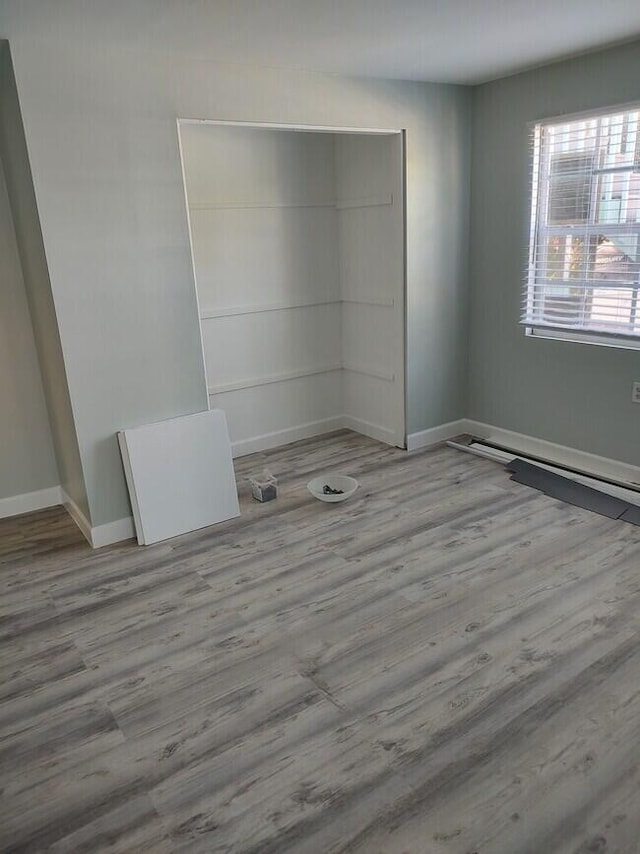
pixel 583 267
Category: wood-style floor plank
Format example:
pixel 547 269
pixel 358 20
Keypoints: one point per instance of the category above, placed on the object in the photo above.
pixel 447 663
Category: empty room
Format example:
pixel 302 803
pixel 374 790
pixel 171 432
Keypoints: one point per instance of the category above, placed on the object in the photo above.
pixel 320 426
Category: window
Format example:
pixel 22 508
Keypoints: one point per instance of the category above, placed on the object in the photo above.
pixel 583 277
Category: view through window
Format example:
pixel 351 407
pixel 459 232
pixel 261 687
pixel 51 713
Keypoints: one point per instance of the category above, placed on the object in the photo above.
pixel 584 255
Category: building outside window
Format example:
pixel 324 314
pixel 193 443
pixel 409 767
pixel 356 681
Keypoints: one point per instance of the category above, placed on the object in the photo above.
pixel 584 254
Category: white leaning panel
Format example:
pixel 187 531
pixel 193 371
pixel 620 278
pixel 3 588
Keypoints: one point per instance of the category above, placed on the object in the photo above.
pixel 179 474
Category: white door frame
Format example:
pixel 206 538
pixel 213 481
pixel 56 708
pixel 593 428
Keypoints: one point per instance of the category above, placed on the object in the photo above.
pixel 401 371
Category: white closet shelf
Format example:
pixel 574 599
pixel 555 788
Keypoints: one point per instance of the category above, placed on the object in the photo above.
pixel 370 202
pixel 381 302
pixel 376 373
pixel 254 382
pixel 286 376
pixel 236 310
pixel 235 206
pixel 341 205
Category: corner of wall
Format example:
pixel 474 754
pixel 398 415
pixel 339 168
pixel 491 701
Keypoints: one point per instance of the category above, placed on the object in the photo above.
pixel 31 249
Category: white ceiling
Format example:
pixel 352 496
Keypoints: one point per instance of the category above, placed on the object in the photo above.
pixel 455 41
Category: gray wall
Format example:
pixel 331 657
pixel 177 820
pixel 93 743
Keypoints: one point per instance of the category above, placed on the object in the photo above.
pixel 573 394
pixel 27 461
pixel 14 156
pixel 100 124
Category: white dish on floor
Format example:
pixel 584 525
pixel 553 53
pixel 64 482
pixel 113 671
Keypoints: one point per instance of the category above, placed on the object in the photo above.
pixel 347 484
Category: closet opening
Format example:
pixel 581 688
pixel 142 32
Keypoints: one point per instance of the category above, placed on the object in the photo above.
pixel 298 246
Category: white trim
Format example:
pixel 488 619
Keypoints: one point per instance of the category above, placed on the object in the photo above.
pixel 373 431
pixel 112 532
pixel 77 515
pixel 266 441
pixel 579 336
pixel 582 461
pixel 28 502
pixel 54 496
pixel 435 435
pixel 101 535
pixel 294 127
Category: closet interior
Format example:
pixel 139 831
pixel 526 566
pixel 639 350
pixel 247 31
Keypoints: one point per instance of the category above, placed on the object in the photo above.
pixel 298 248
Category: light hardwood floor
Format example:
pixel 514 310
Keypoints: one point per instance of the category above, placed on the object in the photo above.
pixel 447 663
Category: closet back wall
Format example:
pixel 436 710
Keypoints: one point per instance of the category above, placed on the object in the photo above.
pixel 263 232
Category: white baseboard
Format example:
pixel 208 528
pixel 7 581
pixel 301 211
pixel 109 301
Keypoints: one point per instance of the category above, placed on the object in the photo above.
pixel 435 435
pixel 282 437
pixel 601 467
pixel 112 532
pixel 77 515
pixel 243 447
pixel 100 535
pixel 368 428
pixel 28 502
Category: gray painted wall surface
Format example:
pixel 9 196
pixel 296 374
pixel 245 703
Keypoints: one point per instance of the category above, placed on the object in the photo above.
pixel 27 460
pixel 14 156
pixel 100 123
pixel 573 394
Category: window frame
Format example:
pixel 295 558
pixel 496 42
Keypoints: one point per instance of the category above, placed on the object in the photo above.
pixel 589 230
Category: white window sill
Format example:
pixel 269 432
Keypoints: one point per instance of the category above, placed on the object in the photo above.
pixel 601 340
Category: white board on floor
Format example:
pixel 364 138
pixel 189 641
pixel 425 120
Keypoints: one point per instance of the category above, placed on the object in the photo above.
pixel 179 474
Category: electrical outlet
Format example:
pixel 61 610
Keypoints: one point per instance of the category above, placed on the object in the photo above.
pixel 635 393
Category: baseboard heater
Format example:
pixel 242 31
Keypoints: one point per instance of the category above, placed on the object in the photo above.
pixel 605 496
